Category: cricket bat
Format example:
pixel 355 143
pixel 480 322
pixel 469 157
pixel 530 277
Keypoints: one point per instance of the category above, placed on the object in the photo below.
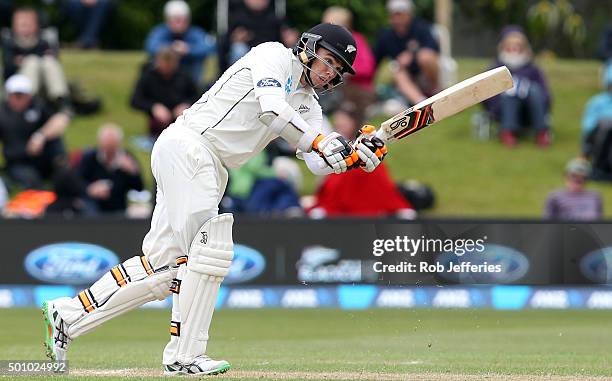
pixel 446 103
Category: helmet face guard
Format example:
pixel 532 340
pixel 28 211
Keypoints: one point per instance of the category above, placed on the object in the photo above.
pixel 306 50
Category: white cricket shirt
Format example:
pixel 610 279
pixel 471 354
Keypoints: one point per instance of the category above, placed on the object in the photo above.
pixel 226 115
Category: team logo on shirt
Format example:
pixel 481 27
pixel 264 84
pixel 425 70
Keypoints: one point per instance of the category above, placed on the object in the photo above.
pixel 268 82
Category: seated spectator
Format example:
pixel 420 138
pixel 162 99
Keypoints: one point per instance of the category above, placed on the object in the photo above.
pixel 410 43
pixel 251 23
pixel 261 188
pixel 574 202
pixel 357 193
pixel 109 172
pixel 31 134
pixel 597 130
pixel 163 91
pixel 528 103
pixel 191 43
pixel 24 51
pixel 89 16
pixel 358 88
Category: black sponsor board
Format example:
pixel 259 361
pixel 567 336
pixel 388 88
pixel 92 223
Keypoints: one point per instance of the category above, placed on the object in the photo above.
pixel 301 251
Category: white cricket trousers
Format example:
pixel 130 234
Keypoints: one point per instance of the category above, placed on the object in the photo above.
pixel 190 184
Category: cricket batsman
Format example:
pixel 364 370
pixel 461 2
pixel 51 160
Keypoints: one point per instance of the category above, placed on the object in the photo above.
pixel 268 93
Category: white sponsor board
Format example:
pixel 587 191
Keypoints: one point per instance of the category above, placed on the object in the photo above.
pixel 396 299
pixel 550 299
pixel 452 299
pixel 246 299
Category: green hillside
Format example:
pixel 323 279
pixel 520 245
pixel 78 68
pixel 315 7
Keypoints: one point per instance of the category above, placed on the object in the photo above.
pixel 471 177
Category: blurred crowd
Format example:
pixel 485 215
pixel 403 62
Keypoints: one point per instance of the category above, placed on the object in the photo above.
pixel 39 176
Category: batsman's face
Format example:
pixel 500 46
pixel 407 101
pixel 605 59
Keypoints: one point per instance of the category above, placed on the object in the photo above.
pixel 325 69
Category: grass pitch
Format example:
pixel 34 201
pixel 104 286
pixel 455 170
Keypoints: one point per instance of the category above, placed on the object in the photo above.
pixel 344 345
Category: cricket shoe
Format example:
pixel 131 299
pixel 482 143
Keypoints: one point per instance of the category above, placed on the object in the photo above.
pixel 201 366
pixel 56 340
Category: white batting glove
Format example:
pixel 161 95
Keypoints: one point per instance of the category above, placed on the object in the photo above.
pixel 371 152
pixel 368 158
pixel 336 152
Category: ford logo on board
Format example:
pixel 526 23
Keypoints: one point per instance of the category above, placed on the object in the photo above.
pixel 597 265
pixel 247 264
pixel 69 263
pixel 513 265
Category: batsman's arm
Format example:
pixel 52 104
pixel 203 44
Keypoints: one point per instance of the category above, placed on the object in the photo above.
pixel 283 120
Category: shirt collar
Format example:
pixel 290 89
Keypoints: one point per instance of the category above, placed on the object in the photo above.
pixel 296 71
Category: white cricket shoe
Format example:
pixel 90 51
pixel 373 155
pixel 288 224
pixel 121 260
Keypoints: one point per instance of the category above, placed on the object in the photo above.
pixel 56 340
pixel 201 365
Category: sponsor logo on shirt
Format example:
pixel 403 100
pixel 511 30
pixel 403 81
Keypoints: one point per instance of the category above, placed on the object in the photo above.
pixel 268 82
pixel 303 109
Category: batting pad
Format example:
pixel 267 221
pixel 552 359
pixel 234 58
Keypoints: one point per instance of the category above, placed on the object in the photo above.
pixel 125 287
pixel 210 257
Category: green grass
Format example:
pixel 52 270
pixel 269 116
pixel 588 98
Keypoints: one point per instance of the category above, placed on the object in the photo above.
pixel 470 177
pixel 334 342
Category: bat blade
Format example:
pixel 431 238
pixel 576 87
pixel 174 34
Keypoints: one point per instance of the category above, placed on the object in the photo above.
pixel 446 103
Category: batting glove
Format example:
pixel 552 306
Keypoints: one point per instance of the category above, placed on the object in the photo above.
pixel 336 152
pixel 370 149
pixel 371 153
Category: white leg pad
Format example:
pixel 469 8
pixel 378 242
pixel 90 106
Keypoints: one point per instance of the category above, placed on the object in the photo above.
pixel 210 257
pixel 125 287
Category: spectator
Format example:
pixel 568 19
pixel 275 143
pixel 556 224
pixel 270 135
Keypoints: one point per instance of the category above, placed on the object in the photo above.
pixel 109 172
pixel 260 188
pixel 191 43
pixel 597 129
pixel 89 16
pixel 357 193
pixel 410 43
pixel 31 134
pixel 250 24
pixel 574 202
pixel 24 51
pixel 358 88
pixel 527 104
pixel 163 91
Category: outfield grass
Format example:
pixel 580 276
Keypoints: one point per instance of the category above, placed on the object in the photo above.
pixel 335 344
pixel 470 177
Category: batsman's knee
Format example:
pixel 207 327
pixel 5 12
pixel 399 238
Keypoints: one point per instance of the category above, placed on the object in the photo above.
pixel 212 249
